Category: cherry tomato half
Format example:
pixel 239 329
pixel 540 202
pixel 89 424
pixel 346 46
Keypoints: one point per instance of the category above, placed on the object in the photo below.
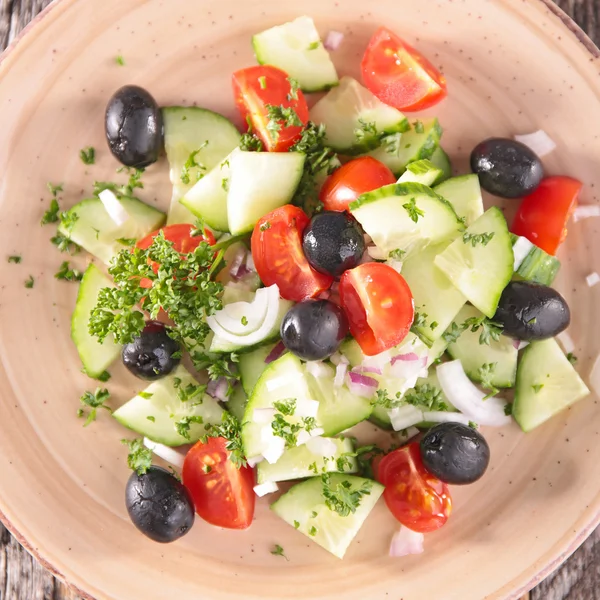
pixel 416 498
pixel 542 216
pixel 255 90
pixel 223 494
pixel 378 304
pixel 279 258
pixel 399 75
pixel 356 177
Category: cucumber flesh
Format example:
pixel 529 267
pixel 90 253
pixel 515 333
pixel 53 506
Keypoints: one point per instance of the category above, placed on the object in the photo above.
pixel 442 161
pixel 546 384
pixel 301 462
pixel 96 232
pixel 187 130
pixel 259 183
pixel 296 48
pixel 251 366
pixel 96 357
pixel 165 409
pixel 480 271
pixel 537 265
pixel 473 355
pixel 237 402
pixel 464 193
pixel 354 118
pixel 421 171
pixel 327 528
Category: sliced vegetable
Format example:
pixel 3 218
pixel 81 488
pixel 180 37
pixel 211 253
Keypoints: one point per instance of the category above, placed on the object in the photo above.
pixel 421 171
pixel 464 194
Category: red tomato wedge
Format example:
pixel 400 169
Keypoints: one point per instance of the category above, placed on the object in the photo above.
pixel 399 75
pixel 356 177
pixel 416 498
pixel 542 216
pixel 259 90
pixel 223 494
pixel 279 258
pixel 378 304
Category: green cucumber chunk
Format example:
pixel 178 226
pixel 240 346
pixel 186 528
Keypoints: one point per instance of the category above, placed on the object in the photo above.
pixel 157 411
pixel 421 171
pixel 464 193
pixel 96 232
pixel 473 356
pixel 237 402
pixel 96 357
pixel 354 118
pixel 546 384
pixel 537 265
pixel 300 462
pixel 259 183
pixel 296 48
pixel 196 141
pixel 480 262
pixel 251 366
pixel 442 161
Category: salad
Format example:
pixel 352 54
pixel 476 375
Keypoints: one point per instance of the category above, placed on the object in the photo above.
pixel 323 269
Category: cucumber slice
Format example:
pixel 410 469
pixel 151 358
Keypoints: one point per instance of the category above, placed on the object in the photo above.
pixel 435 298
pixel 237 402
pixel 327 528
pixel 300 462
pixel 383 216
pixel 187 130
pixel 421 171
pixel 474 355
pixel 442 161
pixel 251 366
pixel 96 357
pixel 464 193
pixel 536 265
pixel 97 233
pixel 259 183
pixel 483 270
pixel 546 384
pixel 354 118
pixel 296 48
pixel 207 200
pixel 420 141
pixel 156 414
pixel 352 351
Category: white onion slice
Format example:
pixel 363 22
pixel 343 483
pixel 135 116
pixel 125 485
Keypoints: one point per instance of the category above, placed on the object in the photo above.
pixel 306 408
pixel 233 316
pixel 263 416
pixel 405 416
pixel 274 450
pixel 171 455
pixel 333 40
pixel 469 399
pixel 521 249
pixel 592 279
pixel 446 417
pixel 405 542
pixel 586 211
pixel 566 341
pixel 404 435
pixel 262 489
pixel 254 460
pixel 317 369
pixel 321 446
pixel 375 253
pixel 595 376
pixel 538 141
pixel 340 374
pixel 113 207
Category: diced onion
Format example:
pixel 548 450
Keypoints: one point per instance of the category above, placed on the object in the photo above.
pixel 317 369
pixel 592 279
pixel 446 417
pixel 171 455
pixel 378 360
pixel 375 253
pixel 304 436
pixel 250 263
pixel 566 341
pixel 406 542
pixel 263 415
pixel 238 260
pixel 586 211
pixel 254 460
pixel 218 389
pixel 362 385
pixel 396 265
pixel 521 248
pixel 373 370
pixel 274 450
pixel 113 207
pixel 340 374
pixel 283 380
pixel 405 416
pixel 469 399
pixel 277 351
pixel 333 40
pixel 410 370
pixel 321 446
pixel 538 141
pixel 520 344
pixel 408 357
pixel 404 435
pixel 306 408
pixel 336 358
pixel 262 489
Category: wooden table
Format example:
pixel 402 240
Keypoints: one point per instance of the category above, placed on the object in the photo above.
pixel 23 578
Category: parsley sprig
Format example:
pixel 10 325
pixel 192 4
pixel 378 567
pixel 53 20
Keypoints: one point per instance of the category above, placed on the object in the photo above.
pixel 93 401
pixel 88 155
pixel 343 499
pixel 477 238
pixel 139 458
pixel 485 374
pixel 66 273
pixel 414 212
pixel 280 117
pixel 230 429
pixel 490 331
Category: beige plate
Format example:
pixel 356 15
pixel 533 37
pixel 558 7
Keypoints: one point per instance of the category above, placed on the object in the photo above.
pixel 512 67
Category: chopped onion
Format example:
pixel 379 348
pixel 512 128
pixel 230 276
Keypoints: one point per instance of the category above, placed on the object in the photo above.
pixel 306 408
pixel 375 253
pixel 566 341
pixel 595 376
pixel 592 279
pixel 521 249
pixel 585 211
pixel 374 370
pixel 263 415
pixel 410 356
pixel 538 141
pixel 283 380
pixel 378 360
pixel 250 267
pixel 396 265
pixel 218 389
pixel 262 489
pixel 362 385
pixel 321 446
pixel 520 344
pixel 446 417
pixel 304 436
pixel 274 450
pixel 469 399
pixel 317 369
pixel 406 542
pixel 113 207
pixel 277 351
pixel 166 453
pixel 404 435
pixel 405 416
pixel 336 358
pixel 340 374
pixel 236 264
pixel 333 40
pixel 254 460
pixel 410 370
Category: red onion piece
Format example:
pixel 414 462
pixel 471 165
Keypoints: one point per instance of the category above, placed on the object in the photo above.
pixel 277 351
pixel 333 40
pixel 374 370
pixel 218 389
pixel 409 356
pixel 362 385
pixel 406 542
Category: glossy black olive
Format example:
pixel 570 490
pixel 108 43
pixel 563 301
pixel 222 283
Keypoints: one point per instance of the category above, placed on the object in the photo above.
pixel 333 242
pixel 532 311
pixel 159 505
pixel 506 168
pixel 134 127
pixel 314 329
pixel 150 355
pixel 455 453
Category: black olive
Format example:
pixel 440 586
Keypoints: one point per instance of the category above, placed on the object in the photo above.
pixel 159 505
pixel 150 355
pixel 333 242
pixel 314 329
pixel 506 168
pixel 134 127
pixel 532 311
pixel 455 453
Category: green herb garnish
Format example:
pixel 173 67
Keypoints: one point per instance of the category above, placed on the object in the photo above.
pixel 231 430
pixel 342 499
pixel 29 283
pixel 278 551
pixel 477 238
pixel 88 155
pixel 65 273
pixel 15 259
pixel 139 458
pixel 414 212
pixel 94 401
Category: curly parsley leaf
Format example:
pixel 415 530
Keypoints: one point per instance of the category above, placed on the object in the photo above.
pixel 192 163
pixel 64 244
pixel 280 117
pixel 183 425
pixel 88 155
pixel 65 273
pixel 485 374
pixel 139 458
pixel 29 283
pixel 477 238
pixel 343 499
pixel 278 551
pixel 427 397
pixel 15 259
pixel 230 430
pixel 92 401
pixel 51 215
pixel 414 212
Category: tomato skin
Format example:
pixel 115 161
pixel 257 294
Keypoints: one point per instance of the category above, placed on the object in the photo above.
pixel 356 177
pixel 224 496
pixel 542 216
pixel 416 498
pixel 399 75
pixel 279 258
pixel 378 304
pixel 252 99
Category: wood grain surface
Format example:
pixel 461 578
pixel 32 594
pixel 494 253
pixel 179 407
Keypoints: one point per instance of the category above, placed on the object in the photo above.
pixel 23 578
